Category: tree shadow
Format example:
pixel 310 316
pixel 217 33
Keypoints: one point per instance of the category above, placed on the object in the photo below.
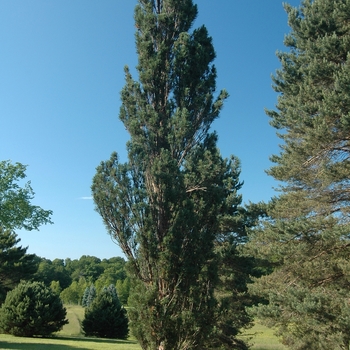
pixel 40 345
pixel 37 346
pixel 98 340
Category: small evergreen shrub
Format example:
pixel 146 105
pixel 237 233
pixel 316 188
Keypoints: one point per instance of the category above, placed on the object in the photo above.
pixel 32 309
pixel 106 317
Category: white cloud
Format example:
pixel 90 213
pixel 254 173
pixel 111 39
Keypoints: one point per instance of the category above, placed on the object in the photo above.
pixel 85 198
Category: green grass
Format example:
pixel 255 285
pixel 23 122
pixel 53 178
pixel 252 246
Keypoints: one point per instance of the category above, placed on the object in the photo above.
pixel 60 343
pixel 75 315
pixel 71 337
pixel 262 338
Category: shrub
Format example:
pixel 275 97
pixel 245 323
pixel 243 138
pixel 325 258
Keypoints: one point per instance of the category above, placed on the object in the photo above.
pixel 32 309
pixel 106 317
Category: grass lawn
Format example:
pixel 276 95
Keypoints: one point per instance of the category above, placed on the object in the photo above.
pixel 75 315
pixel 262 338
pixel 71 337
pixel 62 343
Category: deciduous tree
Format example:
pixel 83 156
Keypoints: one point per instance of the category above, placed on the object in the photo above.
pixel 16 210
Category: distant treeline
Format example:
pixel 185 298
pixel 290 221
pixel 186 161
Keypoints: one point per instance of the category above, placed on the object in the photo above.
pixel 69 278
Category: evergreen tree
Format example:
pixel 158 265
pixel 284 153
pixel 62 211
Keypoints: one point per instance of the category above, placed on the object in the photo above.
pixel 91 296
pixel 306 235
pixel 85 297
pixel 176 195
pixel 15 264
pixel 105 317
pixel 32 309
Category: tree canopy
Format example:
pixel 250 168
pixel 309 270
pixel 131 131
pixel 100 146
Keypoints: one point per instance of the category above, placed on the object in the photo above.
pixel 16 210
pixel 32 309
pixel 175 196
pixel 15 263
pixel 305 237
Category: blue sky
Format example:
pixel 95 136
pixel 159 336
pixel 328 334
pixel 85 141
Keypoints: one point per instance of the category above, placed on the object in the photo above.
pixel 61 72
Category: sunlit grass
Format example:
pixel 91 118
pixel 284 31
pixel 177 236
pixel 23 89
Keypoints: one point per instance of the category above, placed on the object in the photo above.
pixel 75 315
pixel 59 343
pixel 71 337
pixel 262 338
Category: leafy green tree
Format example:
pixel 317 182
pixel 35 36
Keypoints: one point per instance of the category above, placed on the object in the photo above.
pixel 15 264
pixel 89 267
pixel 49 271
pixel 106 317
pixel 174 198
pixel 74 293
pixel 16 210
pixel 123 289
pixel 32 309
pixel 56 287
pixel 110 276
pixel 306 234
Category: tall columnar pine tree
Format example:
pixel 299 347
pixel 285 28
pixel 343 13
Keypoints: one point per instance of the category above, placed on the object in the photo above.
pixel 176 195
pixel 307 235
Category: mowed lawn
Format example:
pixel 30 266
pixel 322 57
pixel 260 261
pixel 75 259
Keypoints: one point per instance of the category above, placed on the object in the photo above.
pixel 262 338
pixel 71 338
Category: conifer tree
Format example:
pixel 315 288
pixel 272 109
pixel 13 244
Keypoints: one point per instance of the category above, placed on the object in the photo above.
pixel 306 236
pixel 32 309
pixel 15 263
pixel 175 196
pixel 105 317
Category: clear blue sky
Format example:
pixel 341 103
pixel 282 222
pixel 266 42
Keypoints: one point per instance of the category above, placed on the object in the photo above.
pixel 61 72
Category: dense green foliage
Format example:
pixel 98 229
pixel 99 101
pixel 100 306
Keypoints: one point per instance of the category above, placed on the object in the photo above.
pixel 306 234
pixel 176 197
pixel 72 277
pixel 56 270
pixel 105 317
pixel 15 264
pixel 123 290
pixel 32 309
pixel 16 210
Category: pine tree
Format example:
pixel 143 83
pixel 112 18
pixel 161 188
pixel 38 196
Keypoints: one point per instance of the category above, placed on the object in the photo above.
pixel 88 296
pixel 91 296
pixel 105 317
pixel 32 309
pixel 15 263
pixel 85 297
pixel 176 195
pixel 306 236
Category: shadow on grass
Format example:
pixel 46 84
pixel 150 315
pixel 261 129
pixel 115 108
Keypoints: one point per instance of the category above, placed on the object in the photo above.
pixel 96 340
pixel 37 346
pixel 41 345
